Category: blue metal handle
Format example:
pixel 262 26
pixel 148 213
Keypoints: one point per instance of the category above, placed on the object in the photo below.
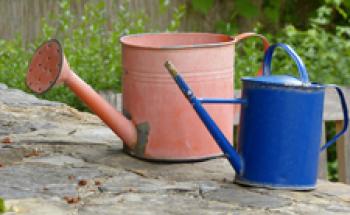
pixel 222 101
pixel 346 117
pixel 301 67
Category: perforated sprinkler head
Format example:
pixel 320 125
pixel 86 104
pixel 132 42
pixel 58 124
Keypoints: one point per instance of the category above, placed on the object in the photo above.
pixel 45 67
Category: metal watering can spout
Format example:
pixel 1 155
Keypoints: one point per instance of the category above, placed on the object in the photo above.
pixel 49 67
pixel 230 153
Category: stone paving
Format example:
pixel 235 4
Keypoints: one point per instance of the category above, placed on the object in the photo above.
pixel 57 160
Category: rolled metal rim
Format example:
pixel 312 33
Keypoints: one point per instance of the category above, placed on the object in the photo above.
pixel 130 40
pixel 311 86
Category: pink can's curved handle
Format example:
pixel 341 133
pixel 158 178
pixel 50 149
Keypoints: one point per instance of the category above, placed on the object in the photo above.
pixel 266 43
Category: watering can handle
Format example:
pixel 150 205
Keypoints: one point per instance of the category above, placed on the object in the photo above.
pixel 301 67
pixel 305 79
pixel 346 117
pixel 243 36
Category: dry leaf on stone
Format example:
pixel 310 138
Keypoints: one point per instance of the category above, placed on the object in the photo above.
pixel 82 182
pixel 6 140
pixel 72 200
pixel 33 153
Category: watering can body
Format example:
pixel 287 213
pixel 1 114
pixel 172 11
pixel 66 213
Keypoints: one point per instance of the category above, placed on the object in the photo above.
pixel 158 116
pixel 155 105
pixel 279 135
pixel 280 126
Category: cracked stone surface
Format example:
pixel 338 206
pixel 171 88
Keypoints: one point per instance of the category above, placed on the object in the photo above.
pixel 57 160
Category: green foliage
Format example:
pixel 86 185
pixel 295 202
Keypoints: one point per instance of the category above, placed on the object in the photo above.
pixel 226 27
pixel 91 45
pixel 325 55
pixel 246 8
pixel 202 6
pixel 249 55
pixel 177 16
pixel 334 17
pixel 90 42
pixel 13 62
pixel 2 205
pixel 333 170
pixel 272 11
pixel 332 153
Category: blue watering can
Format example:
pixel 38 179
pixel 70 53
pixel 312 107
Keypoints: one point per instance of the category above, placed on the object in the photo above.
pixel 280 126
